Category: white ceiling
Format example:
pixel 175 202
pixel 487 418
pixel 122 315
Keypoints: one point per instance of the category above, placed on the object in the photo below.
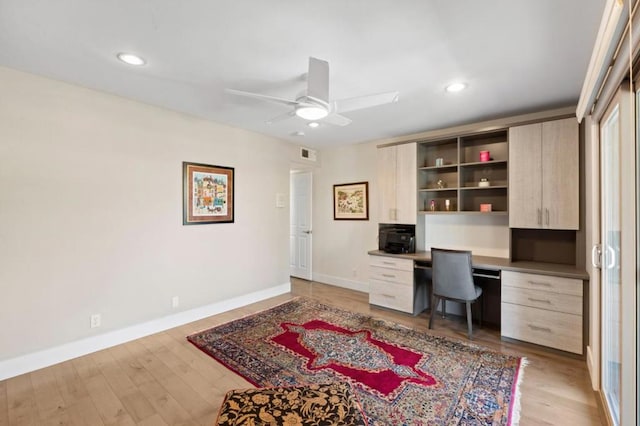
pixel 517 56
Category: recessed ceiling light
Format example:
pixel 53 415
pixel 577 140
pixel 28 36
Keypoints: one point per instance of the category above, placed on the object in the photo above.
pixel 313 124
pixel 131 59
pixel 455 87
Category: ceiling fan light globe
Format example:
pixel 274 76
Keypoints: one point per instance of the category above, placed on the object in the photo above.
pixel 456 87
pixel 311 113
pixel 131 59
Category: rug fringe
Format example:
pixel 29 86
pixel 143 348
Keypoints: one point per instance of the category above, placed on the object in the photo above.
pixel 514 415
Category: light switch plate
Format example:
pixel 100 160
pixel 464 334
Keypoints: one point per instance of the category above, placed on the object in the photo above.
pixel 280 200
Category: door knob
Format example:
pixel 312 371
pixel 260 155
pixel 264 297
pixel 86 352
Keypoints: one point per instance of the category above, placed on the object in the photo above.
pixel 307 232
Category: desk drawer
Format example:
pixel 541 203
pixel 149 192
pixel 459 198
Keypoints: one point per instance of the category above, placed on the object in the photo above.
pixel 543 299
pixel 391 262
pixel 393 275
pixel 391 295
pixel 554 329
pixel 548 283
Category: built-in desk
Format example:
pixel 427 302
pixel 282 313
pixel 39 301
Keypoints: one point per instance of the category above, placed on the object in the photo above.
pixel 536 302
pixel 502 264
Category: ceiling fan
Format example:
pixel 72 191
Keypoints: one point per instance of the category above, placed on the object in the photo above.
pixel 314 104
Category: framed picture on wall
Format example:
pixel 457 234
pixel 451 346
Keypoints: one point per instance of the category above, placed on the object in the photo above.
pixel 351 201
pixel 208 194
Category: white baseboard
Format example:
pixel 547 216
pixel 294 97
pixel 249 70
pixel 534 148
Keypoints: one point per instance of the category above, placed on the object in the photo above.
pixel 594 370
pixel 36 360
pixel 341 282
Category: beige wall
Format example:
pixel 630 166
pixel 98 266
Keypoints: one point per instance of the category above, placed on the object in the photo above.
pixel 340 246
pixel 91 213
pixel 483 235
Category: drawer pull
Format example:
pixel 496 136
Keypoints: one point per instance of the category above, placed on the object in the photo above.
pixel 388 275
pixel 388 263
pixel 540 283
pixel 539 300
pixel 389 296
pixel 536 328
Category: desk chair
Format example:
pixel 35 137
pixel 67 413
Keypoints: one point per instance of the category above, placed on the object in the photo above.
pixel 453 280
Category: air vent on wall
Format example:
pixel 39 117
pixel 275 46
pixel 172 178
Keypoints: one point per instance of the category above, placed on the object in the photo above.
pixel 307 154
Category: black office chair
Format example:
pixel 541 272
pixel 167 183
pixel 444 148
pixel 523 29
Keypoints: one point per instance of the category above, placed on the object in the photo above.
pixel 452 278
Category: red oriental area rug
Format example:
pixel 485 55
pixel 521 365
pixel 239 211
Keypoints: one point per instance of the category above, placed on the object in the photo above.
pixel 399 375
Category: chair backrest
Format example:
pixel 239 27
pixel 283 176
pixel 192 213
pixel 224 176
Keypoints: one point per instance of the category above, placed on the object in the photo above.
pixel 452 274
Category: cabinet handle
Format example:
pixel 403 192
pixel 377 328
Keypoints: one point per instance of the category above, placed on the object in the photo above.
pixel 596 256
pixel 388 275
pixel 388 263
pixel 612 260
pixel 539 216
pixel 541 283
pixel 547 214
pixel 389 296
pixel 539 300
pixel 536 328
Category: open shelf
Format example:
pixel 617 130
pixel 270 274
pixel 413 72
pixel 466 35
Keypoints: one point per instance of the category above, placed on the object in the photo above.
pixel 448 167
pixel 458 179
pixel 493 142
pixel 482 188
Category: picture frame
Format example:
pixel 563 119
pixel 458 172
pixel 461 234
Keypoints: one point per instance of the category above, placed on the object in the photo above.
pixel 351 201
pixel 208 194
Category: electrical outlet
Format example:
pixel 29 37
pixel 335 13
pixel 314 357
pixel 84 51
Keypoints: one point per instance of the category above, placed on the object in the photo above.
pixel 95 320
pixel 175 302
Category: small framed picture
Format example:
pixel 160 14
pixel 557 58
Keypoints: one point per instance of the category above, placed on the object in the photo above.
pixel 351 201
pixel 208 194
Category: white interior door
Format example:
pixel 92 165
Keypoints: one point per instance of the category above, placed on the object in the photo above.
pixel 300 235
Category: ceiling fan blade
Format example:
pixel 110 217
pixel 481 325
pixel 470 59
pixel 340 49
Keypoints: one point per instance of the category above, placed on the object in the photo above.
pixel 281 117
pixel 263 97
pixel 336 120
pixel 361 102
pixel 318 80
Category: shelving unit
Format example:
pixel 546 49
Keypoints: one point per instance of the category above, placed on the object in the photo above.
pixel 458 178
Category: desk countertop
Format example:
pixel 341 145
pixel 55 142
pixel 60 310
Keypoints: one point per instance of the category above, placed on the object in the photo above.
pixel 502 263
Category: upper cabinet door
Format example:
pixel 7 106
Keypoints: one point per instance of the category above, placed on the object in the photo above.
pixel 397 184
pixel 560 178
pixel 406 183
pixel 525 176
pixel 387 184
pixel 544 175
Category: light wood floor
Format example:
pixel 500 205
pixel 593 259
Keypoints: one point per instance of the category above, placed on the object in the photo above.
pixel 163 380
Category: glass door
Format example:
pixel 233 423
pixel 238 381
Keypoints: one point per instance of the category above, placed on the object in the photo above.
pixel 619 277
pixel 610 239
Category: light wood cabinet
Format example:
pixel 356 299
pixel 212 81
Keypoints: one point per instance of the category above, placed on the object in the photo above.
pixel 391 283
pixel 544 175
pixel 542 309
pixel 561 176
pixel 397 184
pixel 386 172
